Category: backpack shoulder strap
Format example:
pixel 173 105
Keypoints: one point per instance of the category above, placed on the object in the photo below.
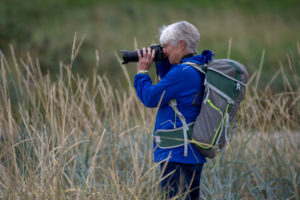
pixel 200 68
pixel 173 104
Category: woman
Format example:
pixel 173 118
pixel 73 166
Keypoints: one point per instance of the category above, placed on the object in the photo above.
pixel 181 164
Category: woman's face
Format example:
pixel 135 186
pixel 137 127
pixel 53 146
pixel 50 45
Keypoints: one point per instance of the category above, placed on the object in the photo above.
pixel 173 52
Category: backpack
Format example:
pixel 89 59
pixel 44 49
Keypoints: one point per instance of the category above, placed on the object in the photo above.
pixel 225 87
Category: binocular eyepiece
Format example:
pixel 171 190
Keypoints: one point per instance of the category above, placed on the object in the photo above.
pixel 132 56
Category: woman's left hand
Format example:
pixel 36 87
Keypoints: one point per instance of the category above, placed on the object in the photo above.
pixel 146 60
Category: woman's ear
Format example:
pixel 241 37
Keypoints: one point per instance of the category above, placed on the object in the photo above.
pixel 182 44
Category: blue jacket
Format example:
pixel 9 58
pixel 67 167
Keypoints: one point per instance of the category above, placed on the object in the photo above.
pixel 184 83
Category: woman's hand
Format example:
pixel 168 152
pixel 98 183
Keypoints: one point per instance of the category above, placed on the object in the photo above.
pixel 146 60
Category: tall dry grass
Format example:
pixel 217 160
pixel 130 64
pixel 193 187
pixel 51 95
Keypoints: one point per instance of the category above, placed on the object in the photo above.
pixel 77 138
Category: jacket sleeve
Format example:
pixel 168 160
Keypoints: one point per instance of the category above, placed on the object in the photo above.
pixel 150 94
pixel 162 68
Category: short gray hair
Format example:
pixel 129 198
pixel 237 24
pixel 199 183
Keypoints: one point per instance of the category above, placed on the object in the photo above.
pixel 181 30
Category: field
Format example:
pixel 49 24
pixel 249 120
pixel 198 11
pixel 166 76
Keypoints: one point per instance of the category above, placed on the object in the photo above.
pixel 71 126
pixel 79 138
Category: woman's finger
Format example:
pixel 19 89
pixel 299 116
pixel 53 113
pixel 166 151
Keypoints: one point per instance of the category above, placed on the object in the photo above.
pixel 153 54
pixel 139 53
pixel 144 52
pixel 149 53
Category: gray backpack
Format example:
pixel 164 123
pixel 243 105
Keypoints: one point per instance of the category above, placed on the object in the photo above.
pixel 225 87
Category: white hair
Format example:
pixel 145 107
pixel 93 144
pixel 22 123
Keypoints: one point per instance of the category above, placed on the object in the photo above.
pixel 181 30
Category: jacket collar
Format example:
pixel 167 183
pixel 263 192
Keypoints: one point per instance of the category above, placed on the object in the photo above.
pixel 205 57
pixel 187 56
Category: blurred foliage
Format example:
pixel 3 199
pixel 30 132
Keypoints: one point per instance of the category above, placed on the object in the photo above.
pixel 46 28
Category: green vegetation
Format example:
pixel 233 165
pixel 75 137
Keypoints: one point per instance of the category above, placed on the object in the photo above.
pixel 46 30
